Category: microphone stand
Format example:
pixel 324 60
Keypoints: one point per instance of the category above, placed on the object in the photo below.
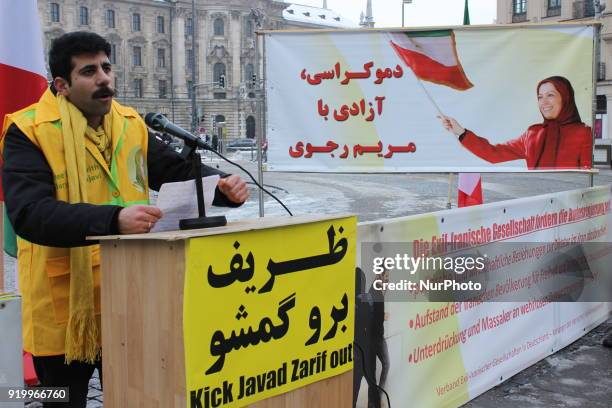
pixel 189 150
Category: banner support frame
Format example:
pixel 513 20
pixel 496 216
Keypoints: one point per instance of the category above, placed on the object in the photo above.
pixel 449 199
pixel 596 59
pixel 2 249
pixel 261 113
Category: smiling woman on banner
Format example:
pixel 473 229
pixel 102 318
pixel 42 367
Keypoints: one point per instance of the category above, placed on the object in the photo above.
pixel 561 141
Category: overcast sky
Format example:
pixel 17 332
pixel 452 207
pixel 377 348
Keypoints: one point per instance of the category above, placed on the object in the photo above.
pixel 388 13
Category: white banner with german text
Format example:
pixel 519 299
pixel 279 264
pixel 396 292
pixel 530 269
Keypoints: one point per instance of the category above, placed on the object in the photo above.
pixel 445 353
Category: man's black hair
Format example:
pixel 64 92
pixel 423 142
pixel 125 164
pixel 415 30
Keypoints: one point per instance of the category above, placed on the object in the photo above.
pixel 65 47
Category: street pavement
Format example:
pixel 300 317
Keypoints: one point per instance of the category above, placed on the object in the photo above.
pixel 579 375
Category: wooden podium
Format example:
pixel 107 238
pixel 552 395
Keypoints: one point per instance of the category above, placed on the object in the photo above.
pixel 142 288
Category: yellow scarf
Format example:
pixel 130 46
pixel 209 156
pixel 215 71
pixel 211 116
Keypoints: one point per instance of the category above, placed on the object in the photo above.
pixel 101 140
pixel 82 332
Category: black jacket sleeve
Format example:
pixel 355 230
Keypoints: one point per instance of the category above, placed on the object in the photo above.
pixel 37 216
pixel 165 165
pixel 35 213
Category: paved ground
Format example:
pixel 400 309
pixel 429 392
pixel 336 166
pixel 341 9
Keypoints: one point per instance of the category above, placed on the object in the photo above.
pixel 578 376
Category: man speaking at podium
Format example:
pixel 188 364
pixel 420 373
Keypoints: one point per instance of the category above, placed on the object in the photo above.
pixel 79 164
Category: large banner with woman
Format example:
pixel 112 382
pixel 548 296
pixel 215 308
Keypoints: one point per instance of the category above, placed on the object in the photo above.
pixel 468 99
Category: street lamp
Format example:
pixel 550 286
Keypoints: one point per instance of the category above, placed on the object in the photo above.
pixel 193 66
pixel 259 17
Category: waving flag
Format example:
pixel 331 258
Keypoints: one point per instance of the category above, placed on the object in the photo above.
pixel 469 189
pixel 22 69
pixel 432 56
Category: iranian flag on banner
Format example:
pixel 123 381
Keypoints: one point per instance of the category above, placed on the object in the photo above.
pixel 22 69
pixel 432 56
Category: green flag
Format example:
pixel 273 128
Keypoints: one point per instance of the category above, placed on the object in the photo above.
pixel 10 239
pixel 466 14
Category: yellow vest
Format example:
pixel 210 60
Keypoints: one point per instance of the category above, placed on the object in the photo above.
pixel 44 272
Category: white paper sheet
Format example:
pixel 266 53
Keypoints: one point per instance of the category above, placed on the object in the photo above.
pixel 179 201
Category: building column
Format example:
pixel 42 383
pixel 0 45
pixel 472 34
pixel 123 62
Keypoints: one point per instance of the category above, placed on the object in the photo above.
pixel 241 123
pixel 567 9
pixel 235 31
pixel 204 43
pixel 178 54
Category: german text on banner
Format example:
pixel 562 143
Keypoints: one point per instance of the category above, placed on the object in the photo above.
pixel 461 100
pixel 545 259
pixel 268 311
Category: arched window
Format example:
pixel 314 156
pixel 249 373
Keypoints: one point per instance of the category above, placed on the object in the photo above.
pixel 113 55
pixel 136 22
pixel 138 88
pixel 219 118
pixel 189 26
pixel 219 26
pixel 54 14
pixel 84 15
pixel 110 18
pixel 250 127
pixel 249 73
pixel 218 70
pixel 519 6
pixel 137 56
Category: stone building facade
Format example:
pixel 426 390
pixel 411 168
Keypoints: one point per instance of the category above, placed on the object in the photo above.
pixel 544 11
pixel 153 44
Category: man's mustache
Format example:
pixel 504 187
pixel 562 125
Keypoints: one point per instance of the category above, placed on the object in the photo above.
pixel 102 92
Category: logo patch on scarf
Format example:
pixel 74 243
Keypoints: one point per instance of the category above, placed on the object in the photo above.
pixel 137 171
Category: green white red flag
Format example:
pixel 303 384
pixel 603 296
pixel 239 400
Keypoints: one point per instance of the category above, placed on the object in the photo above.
pixel 22 69
pixel 469 189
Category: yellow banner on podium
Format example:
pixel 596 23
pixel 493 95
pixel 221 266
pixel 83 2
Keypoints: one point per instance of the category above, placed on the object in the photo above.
pixel 268 311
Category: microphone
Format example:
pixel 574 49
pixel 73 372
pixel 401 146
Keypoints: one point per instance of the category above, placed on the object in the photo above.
pixel 159 122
